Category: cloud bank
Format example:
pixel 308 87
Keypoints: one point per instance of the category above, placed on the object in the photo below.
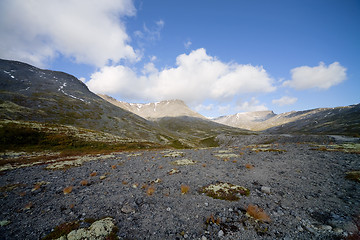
pixel 285 101
pixel 321 77
pixel 195 78
pixel 86 31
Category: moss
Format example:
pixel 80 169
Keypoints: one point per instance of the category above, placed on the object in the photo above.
pixel 62 230
pixel 265 148
pixel 353 175
pixel 225 191
pixel 10 187
pixel 209 142
pixel 345 147
pixel 178 144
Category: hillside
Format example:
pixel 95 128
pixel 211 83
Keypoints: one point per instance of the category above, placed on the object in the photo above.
pixel 340 120
pixel 35 102
pixel 168 108
pixel 32 94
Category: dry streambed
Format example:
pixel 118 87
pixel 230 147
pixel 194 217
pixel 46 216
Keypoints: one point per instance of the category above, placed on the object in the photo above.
pixel 252 188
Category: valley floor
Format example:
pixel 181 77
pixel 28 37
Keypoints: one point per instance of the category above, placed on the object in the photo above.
pixel 300 185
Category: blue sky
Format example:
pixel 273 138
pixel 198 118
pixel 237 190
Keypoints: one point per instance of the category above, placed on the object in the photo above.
pixel 220 57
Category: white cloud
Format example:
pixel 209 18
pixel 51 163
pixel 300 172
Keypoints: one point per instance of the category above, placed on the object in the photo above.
pixel 114 79
pixel 201 107
pixel 322 76
pixel 251 106
pixel 87 31
pixel 285 101
pixel 187 44
pixel 196 77
pixel 150 34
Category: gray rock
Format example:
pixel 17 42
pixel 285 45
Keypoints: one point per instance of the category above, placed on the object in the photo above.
pixel 266 190
pixel 127 209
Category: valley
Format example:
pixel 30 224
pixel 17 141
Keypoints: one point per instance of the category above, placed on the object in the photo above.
pixel 73 162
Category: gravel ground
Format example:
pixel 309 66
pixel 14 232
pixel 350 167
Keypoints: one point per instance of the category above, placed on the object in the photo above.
pixel 303 191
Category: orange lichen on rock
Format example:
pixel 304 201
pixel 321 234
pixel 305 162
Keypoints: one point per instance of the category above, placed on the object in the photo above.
pixel 257 213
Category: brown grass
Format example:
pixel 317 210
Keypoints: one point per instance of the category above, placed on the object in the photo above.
pixel 28 206
pixel 184 189
pixel 150 191
pixel 68 190
pixel 84 182
pixel 258 213
pixel 36 187
pixel 211 219
pixel 249 166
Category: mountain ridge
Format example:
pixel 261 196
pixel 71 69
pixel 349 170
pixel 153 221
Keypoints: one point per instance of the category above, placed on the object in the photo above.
pixel 31 98
pixel 318 120
pixel 154 110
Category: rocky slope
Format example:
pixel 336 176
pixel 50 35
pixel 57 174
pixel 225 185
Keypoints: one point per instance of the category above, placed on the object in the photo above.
pixel 294 190
pixel 340 120
pixel 168 108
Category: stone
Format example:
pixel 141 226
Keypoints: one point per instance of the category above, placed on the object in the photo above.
pixel 4 223
pixel 325 227
pixel 127 209
pixel 266 190
pixel 221 233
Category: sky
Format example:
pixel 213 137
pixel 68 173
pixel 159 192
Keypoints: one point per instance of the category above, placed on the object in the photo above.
pixel 220 57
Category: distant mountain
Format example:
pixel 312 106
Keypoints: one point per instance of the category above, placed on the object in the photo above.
pixel 168 108
pixel 339 120
pixel 248 120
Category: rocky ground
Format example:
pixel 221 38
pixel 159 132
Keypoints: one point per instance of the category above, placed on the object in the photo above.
pixel 298 183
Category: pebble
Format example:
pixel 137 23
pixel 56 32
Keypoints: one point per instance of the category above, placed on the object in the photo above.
pixel 206 204
pixel 266 190
pixel 168 209
pixel 220 233
pixel 127 209
pixel 325 227
pixel 203 238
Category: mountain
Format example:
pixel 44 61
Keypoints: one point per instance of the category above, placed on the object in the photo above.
pixel 56 110
pixel 339 120
pixel 28 94
pixel 248 120
pixel 168 108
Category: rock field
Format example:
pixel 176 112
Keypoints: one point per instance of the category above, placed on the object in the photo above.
pixel 278 187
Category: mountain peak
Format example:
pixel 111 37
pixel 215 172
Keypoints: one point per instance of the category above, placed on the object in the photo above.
pixel 165 108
